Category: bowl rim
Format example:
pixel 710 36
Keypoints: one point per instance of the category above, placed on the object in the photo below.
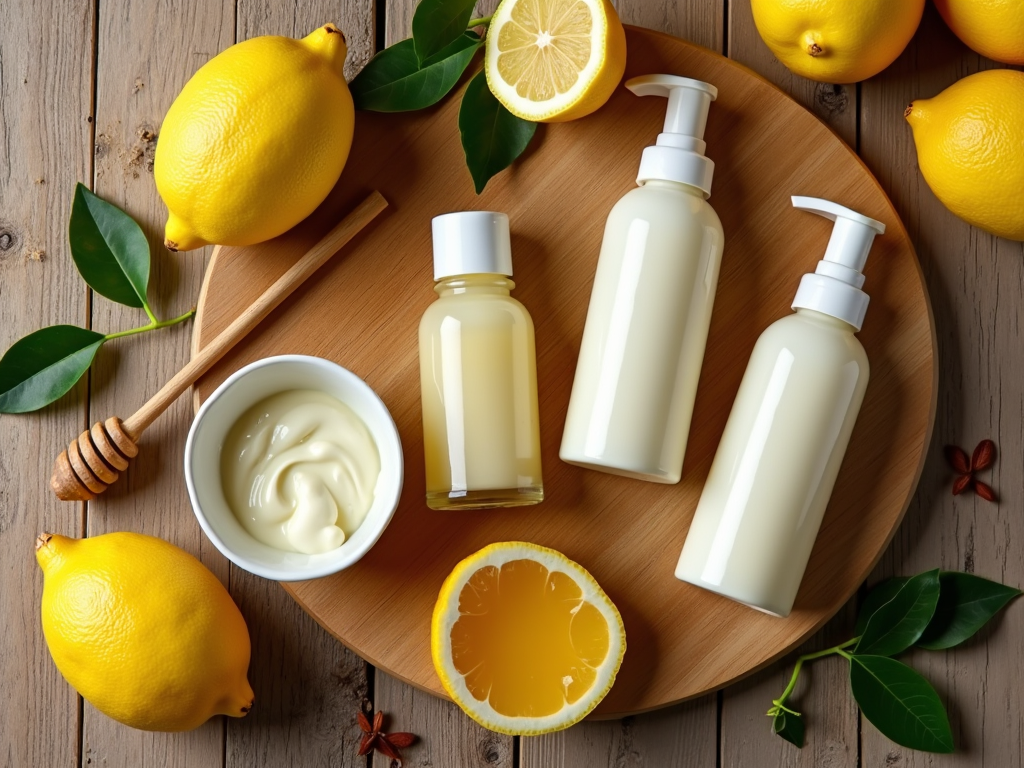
pixel 291 573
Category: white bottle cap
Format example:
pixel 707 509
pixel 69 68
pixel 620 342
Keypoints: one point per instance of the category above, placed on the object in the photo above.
pixel 471 243
pixel 679 152
pixel 835 286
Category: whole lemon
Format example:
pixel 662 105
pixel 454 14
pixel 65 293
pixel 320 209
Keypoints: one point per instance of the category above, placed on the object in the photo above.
pixel 837 41
pixel 143 630
pixel 255 140
pixel 993 28
pixel 970 148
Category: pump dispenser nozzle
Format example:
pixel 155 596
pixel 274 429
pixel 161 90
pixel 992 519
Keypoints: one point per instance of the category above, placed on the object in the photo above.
pixel 679 152
pixel 835 286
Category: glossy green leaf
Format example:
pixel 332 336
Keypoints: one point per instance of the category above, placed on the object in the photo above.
pixel 109 249
pixel 44 365
pixel 900 703
pixel 880 594
pixel 438 23
pixel 966 603
pixel 898 624
pixel 790 727
pixel 492 137
pixel 393 81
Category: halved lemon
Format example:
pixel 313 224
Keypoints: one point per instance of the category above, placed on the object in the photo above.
pixel 554 60
pixel 524 639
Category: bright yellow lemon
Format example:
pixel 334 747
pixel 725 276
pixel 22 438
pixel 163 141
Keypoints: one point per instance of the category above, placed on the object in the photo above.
pixel 524 639
pixel 143 630
pixel 554 60
pixel 970 148
pixel 837 41
pixel 993 28
pixel 255 140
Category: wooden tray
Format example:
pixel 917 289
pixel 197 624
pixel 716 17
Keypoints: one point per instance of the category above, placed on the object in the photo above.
pixel 362 311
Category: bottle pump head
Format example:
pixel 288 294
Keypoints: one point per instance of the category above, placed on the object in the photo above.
pixel 835 286
pixel 679 152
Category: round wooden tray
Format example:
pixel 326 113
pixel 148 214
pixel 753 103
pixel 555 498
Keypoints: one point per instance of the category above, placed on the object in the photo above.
pixel 362 311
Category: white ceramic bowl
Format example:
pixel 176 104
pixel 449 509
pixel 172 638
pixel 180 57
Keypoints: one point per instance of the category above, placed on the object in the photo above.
pixel 230 400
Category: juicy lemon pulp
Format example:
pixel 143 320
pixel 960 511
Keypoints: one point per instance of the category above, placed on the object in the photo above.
pixel 544 47
pixel 526 640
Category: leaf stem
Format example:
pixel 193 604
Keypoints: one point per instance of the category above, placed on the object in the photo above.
pixel 152 326
pixel 840 649
pixel 482 21
pixel 149 313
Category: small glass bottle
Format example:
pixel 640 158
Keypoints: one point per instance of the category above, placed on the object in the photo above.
pixel 478 372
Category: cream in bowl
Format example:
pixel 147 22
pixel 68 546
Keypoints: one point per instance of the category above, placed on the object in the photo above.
pixel 294 467
pixel 298 470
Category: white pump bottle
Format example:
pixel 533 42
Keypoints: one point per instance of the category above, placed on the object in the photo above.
pixel 650 309
pixel 773 474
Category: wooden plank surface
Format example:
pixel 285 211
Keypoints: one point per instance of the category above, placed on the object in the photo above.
pixel 45 147
pixel 976 283
pixel 310 685
pixel 147 51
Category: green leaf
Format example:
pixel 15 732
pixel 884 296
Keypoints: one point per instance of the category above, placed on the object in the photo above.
pixel 109 249
pixel 394 82
pixel 881 594
pixel 789 726
pixel 900 703
pixel 898 624
pixel 44 365
pixel 966 603
pixel 492 137
pixel 438 23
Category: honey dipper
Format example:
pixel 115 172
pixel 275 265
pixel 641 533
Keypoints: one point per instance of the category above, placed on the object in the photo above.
pixel 93 461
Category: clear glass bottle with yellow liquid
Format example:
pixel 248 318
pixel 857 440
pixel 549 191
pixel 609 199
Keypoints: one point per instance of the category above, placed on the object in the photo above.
pixel 478 372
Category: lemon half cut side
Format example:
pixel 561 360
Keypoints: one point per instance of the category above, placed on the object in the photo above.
pixel 554 60
pixel 524 640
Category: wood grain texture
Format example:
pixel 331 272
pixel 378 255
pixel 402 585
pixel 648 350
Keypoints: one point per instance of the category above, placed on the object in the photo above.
pixel 976 282
pixel 147 51
pixel 45 147
pixel 447 737
pixel 767 147
pixel 683 735
pixel 836 105
pixel 308 686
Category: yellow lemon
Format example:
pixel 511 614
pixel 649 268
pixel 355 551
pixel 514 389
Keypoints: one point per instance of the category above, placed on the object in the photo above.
pixel 255 140
pixel 143 630
pixel 524 639
pixel 993 28
pixel 970 148
pixel 837 41
pixel 550 61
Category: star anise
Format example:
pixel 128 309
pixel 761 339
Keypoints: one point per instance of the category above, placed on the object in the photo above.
pixel 982 458
pixel 388 744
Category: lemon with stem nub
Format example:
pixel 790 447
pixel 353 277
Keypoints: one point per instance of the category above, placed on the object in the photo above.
pixel 255 140
pixel 970 148
pixel 524 639
pixel 837 41
pixel 143 630
pixel 554 60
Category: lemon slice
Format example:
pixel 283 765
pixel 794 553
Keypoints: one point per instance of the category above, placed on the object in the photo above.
pixel 524 639
pixel 554 60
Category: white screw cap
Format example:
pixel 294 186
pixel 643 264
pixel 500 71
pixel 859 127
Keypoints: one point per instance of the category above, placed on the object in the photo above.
pixel 471 243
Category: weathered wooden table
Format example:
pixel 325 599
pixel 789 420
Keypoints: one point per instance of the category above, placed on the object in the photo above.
pixel 83 87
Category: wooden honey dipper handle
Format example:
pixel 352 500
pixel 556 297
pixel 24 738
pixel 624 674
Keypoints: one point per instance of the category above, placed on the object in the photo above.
pixel 92 462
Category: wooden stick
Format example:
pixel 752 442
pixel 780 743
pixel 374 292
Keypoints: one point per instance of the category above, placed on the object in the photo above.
pixel 82 471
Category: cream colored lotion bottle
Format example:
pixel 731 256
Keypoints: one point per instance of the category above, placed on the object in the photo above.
pixel 773 474
pixel 650 308
pixel 478 372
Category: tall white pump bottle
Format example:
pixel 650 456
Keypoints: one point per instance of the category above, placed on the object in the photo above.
pixel 773 474
pixel 650 309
